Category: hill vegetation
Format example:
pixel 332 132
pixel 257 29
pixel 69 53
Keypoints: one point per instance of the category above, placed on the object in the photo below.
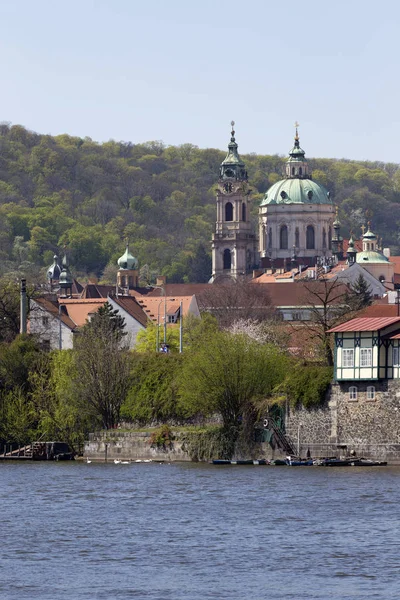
pixel 75 194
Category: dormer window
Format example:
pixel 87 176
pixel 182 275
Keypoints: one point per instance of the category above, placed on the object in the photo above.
pixel 310 194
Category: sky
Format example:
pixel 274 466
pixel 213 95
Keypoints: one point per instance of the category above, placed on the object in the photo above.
pixel 179 71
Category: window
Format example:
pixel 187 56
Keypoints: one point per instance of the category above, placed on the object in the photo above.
pixel 353 392
pixel 283 238
pixel 370 392
pixel 323 239
pixel 310 238
pixel 366 357
pixel 45 321
pixel 243 212
pixel 270 238
pixel 330 238
pixel 228 211
pixel 348 358
pixel 297 238
pixel 227 259
pixel 395 357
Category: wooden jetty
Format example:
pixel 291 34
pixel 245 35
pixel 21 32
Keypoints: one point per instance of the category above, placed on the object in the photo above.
pixel 38 451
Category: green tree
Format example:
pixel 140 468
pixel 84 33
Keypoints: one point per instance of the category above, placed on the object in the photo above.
pixel 228 374
pixel 102 376
pixel 360 295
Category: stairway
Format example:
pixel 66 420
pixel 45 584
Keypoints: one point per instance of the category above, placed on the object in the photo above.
pixel 282 439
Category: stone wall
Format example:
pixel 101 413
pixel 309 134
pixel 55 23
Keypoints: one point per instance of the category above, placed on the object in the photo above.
pixel 370 428
pixel 130 445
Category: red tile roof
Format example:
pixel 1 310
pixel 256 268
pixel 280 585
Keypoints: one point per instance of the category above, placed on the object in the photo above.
pixel 366 324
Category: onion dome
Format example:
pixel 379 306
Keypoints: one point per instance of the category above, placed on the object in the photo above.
pixel 128 261
pixel 65 279
pixel 351 250
pixel 53 272
pixel 370 253
pixel 232 167
pixel 298 187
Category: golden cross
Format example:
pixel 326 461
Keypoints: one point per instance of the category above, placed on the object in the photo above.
pixel 363 229
pixel 296 137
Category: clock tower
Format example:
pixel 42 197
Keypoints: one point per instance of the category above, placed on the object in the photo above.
pixel 234 245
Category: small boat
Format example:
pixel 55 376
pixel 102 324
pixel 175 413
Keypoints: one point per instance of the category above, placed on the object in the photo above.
pixel 278 462
pixel 294 461
pixel 366 462
pixel 221 461
pixel 117 461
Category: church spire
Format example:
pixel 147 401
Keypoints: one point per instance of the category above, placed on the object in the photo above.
pixel 296 165
pixel 232 167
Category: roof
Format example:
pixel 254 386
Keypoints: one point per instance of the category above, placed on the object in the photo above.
pixel 52 307
pixel 366 324
pixel 154 306
pixel 132 307
pixel 296 191
pixel 371 256
pixel 179 289
pixel 80 309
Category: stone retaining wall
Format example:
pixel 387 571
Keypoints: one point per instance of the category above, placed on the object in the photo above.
pixel 131 445
pixel 371 428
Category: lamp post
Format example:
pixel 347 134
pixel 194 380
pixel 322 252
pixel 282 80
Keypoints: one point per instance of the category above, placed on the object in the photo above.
pixel 162 288
pixel 298 438
pixel 60 329
pixel 158 327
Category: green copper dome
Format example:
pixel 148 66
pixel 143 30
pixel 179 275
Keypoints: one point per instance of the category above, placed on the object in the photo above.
pixel 296 191
pixel 298 187
pixel 371 256
pixel 128 261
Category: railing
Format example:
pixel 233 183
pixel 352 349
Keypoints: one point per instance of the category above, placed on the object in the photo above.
pixel 283 441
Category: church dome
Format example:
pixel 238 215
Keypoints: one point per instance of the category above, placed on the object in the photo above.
pixel 371 256
pixel 296 191
pixel 128 261
pixel 54 271
pixel 298 187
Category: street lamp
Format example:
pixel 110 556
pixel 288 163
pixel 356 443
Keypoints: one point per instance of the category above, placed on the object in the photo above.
pixel 60 330
pixel 162 288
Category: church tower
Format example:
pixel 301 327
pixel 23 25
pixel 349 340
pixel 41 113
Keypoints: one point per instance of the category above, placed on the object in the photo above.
pixel 234 245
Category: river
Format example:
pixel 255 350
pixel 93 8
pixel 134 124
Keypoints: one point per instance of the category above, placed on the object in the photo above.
pixel 76 531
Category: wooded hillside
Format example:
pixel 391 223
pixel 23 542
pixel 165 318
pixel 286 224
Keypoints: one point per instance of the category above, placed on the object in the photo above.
pixel 73 193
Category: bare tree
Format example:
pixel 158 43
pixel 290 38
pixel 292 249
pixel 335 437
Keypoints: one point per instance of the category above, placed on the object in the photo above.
pixel 236 299
pixel 327 301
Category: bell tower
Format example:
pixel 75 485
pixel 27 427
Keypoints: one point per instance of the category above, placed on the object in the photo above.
pixel 234 245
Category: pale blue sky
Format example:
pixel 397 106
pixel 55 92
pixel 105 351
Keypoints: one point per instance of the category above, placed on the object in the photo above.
pixel 179 71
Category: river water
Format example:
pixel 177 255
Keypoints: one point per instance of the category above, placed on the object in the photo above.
pixel 77 531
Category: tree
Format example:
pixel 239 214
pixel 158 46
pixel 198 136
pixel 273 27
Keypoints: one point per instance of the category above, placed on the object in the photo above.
pixel 236 299
pixel 360 295
pixel 107 318
pixel 102 376
pixel 326 301
pixel 227 374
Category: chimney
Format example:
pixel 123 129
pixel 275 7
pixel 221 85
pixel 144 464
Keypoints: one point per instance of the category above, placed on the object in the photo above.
pixel 22 327
pixel 161 280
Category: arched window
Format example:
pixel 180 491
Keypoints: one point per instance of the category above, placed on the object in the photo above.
pixel 293 171
pixel 297 238
pixel 310 238
pixel 270 238
pixel 370 392
pixel 353 392
pixel 243 212
pixel 283 238
pixel 300 171
pixel 228 211
pixel 330 238
pixel 323 238
pixel 227 259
